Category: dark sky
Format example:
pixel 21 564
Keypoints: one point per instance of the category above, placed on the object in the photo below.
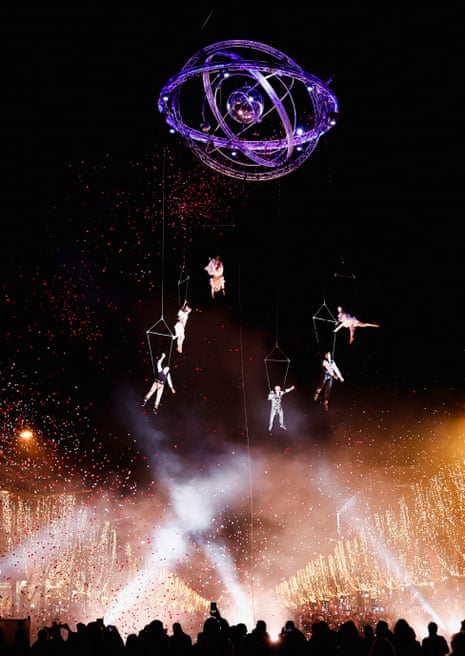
pixel 371 221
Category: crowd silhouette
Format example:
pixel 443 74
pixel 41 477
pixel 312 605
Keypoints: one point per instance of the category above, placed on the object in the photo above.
pixel 220 638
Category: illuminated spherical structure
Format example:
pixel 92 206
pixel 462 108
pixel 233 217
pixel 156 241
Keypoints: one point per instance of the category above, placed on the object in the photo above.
pixel 247 110
pixel 245 105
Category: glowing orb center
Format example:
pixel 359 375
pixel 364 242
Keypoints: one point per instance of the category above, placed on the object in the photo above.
pixel 245 105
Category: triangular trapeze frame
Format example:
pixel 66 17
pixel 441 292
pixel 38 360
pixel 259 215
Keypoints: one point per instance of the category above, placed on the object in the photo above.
pixel 276 357
pixel 159 329
pixel 324 315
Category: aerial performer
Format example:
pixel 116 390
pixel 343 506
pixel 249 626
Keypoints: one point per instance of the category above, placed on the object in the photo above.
pixel 276 396
pixel 158 386
pixel 215 270
pixel 329 372
pixel 346 320
pixel 180 325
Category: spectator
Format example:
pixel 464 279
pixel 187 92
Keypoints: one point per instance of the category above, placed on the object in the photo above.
pixel 291 640
pixel 349 640
pixel 214 639
pixel 457 644
pixel 180 642
pixel 382 646
pixel 259 640
pixel 368 635
pixel 323 641
pixel 405 640
pixel 382 630
pixel 434 644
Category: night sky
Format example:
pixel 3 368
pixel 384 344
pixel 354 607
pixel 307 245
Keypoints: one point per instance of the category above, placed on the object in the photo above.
pixel 108 222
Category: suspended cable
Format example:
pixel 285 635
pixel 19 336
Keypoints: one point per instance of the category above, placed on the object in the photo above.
pixel 160 328
pixel 276 362
pixel 183 285
pixel 249 459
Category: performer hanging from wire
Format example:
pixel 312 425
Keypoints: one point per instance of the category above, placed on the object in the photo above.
pixel 330 372
pixel 276 396
pixel 215 270
pixel 346 320
pixel 158 386
pixel 180 325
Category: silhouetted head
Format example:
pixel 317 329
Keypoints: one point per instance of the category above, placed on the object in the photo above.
pixel 382 628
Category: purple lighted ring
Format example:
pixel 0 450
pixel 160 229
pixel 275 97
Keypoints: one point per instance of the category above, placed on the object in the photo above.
pixel 299 109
